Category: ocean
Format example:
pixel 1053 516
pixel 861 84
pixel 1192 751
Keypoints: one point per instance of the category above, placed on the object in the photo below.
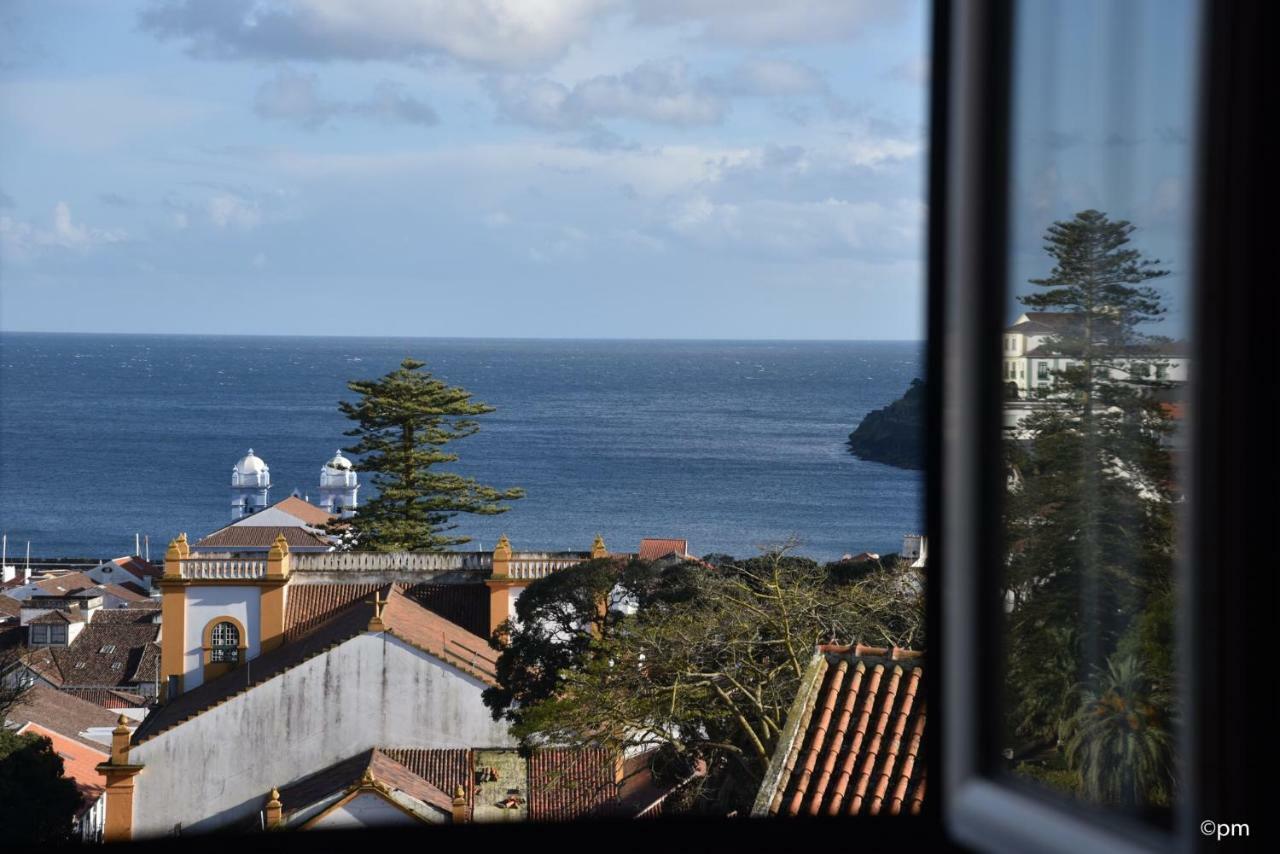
pixel 733 445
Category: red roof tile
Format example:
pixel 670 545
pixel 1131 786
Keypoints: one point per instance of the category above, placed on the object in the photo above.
pixel 566 784
pixel 235 537
pixel 653 549
pixel 856 738
pixel 79 762
pixel 304 510
pixel 60 712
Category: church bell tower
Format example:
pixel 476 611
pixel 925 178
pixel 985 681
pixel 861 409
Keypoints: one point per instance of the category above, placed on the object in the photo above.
pixel 250 485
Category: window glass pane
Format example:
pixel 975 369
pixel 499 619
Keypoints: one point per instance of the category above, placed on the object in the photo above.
pixel 1099 270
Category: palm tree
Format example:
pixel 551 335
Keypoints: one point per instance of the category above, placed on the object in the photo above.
pixel 1119 740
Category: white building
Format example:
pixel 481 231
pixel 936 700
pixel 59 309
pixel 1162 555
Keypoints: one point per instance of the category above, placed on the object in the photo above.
pixel 339 485
pixel 1032 358
pixel 250 485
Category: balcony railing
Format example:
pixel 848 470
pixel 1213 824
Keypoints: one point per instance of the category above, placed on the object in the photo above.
pixel 222 568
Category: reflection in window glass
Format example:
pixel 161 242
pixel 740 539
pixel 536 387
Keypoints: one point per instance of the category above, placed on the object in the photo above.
pixel 1098 272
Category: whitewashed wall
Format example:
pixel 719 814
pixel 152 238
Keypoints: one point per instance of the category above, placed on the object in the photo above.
pixel 366 810
pixel 372 691
pixel 205 603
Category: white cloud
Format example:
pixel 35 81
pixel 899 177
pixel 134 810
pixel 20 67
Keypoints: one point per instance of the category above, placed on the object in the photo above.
pixel 768 77
pixel 771 22
pixel 833 227
pixel 22 240
pixel 227 210
pixel 495 34
pixel 293 96
pixel 660 92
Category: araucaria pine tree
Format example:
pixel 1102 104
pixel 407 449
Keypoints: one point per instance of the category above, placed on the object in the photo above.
pixel 404 420
pixel 1089 515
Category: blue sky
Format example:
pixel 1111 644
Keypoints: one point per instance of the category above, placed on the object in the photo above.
pixel 513 168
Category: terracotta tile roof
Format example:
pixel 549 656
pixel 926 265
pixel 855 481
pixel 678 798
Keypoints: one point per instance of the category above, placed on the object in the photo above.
pixel 853 738
pixel 110 654
pixel 466 605
pixel 347 774
pixel 62 713
pixel 309 605
pixel 261 537
pixel 140 567
pixel 567 784
pixel 9 607
pixel 53 617
pixel 446 769
pixel 107 698
pixel 652 549
pixel 79 762
pixel 304 510
pixel 402 617
pixel 67 583
pixel 433 634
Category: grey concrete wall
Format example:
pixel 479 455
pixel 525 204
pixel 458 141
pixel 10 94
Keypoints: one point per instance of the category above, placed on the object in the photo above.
pixel 372 691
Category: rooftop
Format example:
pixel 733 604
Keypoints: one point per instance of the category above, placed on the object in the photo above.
pixel 853 737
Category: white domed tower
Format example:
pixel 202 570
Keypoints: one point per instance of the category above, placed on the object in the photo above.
pixel 250 483
pixel 338 486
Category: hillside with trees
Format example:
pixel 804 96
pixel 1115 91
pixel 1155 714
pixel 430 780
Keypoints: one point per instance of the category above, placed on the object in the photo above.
pixel 893 435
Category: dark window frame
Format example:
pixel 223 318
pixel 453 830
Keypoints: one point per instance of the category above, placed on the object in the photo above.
pixel 1228 426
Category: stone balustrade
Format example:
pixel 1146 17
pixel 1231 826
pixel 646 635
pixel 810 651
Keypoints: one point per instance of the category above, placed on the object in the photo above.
pixel 222 569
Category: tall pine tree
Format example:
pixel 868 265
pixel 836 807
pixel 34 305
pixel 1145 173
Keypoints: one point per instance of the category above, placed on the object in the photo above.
pixel 1089 516
pixel 404 419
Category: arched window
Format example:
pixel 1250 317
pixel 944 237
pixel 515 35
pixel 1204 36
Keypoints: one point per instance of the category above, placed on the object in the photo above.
pixel 224 646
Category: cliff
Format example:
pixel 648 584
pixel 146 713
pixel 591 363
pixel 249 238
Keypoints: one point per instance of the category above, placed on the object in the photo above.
pixel 895 434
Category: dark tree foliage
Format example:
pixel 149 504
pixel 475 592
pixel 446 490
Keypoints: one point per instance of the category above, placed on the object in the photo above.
pixel 701 663
pixel 404 419
pixel 37 804
pixel 1089 514
pixel 893 435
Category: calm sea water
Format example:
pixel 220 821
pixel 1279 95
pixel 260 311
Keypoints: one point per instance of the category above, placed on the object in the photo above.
pixel 727 444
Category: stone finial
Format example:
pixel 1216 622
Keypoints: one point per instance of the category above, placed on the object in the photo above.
pixel 460 815
pixel 366 779
pixel 274 809
pixel 173 556
pixel 502 556
pixel 598 549
pixel 279 547
pixel 278 558
pixel 120 742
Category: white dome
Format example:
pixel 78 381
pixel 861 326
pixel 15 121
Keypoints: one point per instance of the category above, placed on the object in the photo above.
pixel 339 462
pixel 250 464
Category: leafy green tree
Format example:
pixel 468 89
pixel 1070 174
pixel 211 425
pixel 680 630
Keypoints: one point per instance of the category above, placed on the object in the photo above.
pixel 1119 741
pixel 37 803
pixel 702 664
pixel 404 419
pixel 1089 514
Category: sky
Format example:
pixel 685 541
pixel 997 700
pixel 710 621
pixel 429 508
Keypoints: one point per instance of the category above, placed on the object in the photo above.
pixel 492 168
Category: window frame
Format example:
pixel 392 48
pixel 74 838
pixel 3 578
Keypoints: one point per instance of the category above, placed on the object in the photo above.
pixel 1222 696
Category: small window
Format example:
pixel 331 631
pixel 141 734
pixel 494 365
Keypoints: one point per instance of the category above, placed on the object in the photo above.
pixel 107 648
pixel 80 665
pixel 39 634
pixel 57 634
pixel 117 665
pixel 224 643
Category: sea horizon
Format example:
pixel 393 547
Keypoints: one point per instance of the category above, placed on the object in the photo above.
pixel 728 443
